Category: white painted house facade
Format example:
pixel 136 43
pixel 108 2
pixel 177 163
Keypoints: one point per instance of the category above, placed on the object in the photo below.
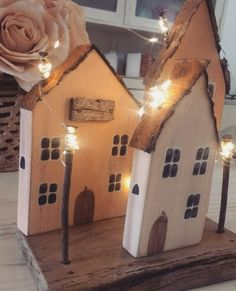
pixel 171 180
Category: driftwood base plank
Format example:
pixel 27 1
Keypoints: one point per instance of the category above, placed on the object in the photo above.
pixel 98 262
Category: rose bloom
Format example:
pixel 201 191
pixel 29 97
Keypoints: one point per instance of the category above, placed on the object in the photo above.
pixel 31 26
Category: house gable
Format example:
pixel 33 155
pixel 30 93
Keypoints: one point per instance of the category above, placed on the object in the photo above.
pixel 194 35
pixel 184 75
pixel 72 62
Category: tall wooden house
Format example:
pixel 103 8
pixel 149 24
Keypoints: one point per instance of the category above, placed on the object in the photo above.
pixel 86 93
pixel 175 144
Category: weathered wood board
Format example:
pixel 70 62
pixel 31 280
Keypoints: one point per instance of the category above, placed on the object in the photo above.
pixel 85 109
pixel 98 262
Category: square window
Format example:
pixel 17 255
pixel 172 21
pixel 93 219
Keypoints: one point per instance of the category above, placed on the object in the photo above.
pixel 124 139
pixel 190 201
pixel 174 169
pixel 199 154
pixel 166 171
pixel 187 214
pixel 45 143
pixel 118 187
pixel 203 168
pixel 206 154
pixel 114 151
pixel 55 143
pixel 176 157
pixel 116 139
pixel 169 155
pixel 112 178
pixel 196 169
pixel 52 198
pixel 196 199
pixel 111 188
pixel 43 188
pixel 53 187
pixel 55 154
pixel 42 199
pixel 123 150
pixel 118 177
pixel 45 155
pixel 194 212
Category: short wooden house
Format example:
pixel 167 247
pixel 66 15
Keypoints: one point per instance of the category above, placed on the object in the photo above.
pixel 176 144
pixel 86 93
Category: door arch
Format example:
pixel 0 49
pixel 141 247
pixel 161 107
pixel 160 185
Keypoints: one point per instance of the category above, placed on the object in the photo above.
pixel 84 207
pixel 157 235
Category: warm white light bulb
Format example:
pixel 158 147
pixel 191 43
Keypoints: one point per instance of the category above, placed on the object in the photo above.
pixel 153 39
pixel 45 69
pixel 163 24
pixel 157 95
pixel 227 149
pixel 71 142
pixel 56 44
pixel 141 112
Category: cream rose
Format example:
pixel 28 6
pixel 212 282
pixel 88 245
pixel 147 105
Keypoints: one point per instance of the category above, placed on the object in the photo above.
pixel 31 26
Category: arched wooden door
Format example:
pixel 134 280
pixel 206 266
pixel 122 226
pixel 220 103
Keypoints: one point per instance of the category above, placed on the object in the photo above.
pixel 84 207
pixel 157 235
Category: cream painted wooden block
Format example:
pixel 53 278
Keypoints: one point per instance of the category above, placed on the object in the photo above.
pixel 170 212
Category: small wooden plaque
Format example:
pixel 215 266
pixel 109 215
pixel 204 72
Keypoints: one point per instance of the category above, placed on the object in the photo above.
pixel 98 261
pixel 84 109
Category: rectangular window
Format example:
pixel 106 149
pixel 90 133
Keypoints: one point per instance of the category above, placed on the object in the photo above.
pixel 115 183
pixel 200 165
pixel 192 206
pixel 171 163
pixel 47 194
pixel 50 149
pixel 120 144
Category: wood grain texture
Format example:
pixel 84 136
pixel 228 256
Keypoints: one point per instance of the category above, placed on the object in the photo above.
pixel 157 236
pixel 84 207
pixel 99 262
pixel 84 109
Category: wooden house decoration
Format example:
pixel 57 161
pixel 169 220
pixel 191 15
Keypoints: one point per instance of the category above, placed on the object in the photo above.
pixel 175 144
pixel 84 92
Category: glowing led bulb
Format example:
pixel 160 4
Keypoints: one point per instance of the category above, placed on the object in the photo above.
pixel 227 149
pixel 56 44
pixel 163 24
pixel 153 39
pixel 157 95
pixel 71 142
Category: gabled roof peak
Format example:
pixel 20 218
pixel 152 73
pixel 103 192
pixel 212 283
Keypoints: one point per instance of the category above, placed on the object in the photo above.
pixel 71 63
pixel 183 76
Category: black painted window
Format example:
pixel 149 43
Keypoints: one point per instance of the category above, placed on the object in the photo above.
pixel 171 163
pixel 120 144
pixel 135 189
pixel 22 162
pixel 50 149
pixel 192 206
pixel 200 165
pixel 47 194
pixel 114 183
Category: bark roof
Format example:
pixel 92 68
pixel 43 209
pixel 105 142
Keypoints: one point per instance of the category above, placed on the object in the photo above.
pixel 71 63
pixel 184 75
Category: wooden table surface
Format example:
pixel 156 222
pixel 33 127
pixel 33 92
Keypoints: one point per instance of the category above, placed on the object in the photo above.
pixel 14 274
